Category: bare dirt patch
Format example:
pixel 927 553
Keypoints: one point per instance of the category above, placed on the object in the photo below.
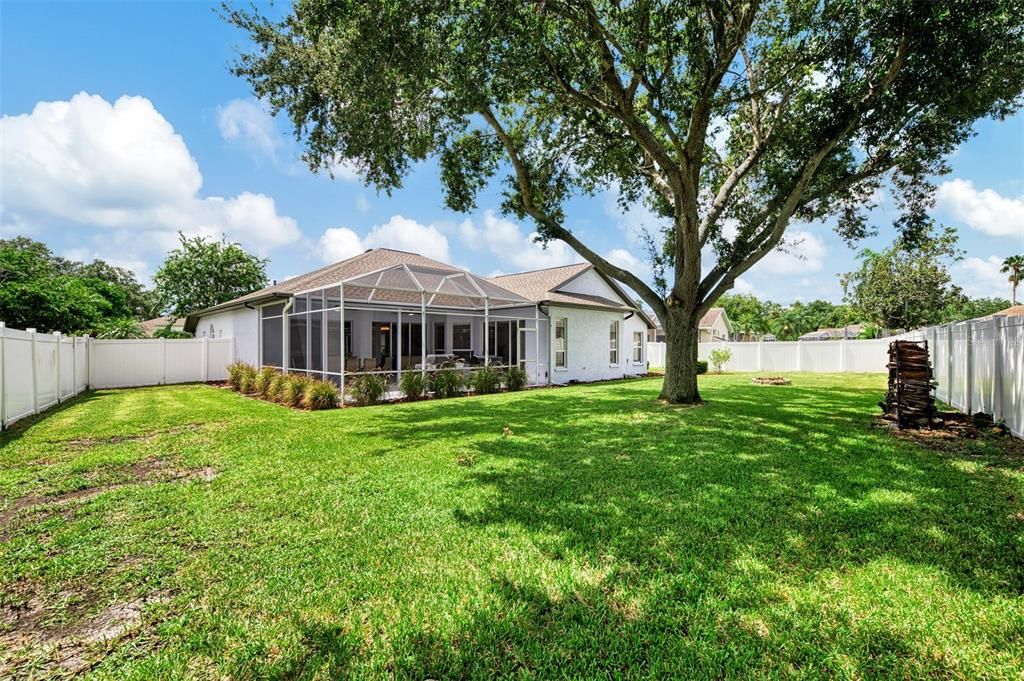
pixel 90 442
pixel 146 472
pixel 56 638
pixel 952 431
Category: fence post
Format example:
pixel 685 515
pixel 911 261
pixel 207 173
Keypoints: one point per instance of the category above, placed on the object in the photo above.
pixel 206 360
pixel 231 346
pixel 74 365
pixel 760 354
pixel 163 361
pixel 997 368
pixel 969 370
pixel 60 382
pixel 35 386
pixel 90 377
pixel 3 377
pixel 949 364
pixel 799 362
pixel 842 353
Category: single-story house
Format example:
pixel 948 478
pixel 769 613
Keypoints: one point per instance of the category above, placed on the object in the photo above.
pixel 850 331
pixel 387 311
pixel 150 326
pixel 714 326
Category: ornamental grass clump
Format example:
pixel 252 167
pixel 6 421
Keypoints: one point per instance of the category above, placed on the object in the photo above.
pixel 485 381
pixel 367 389
pixel 247 380
pixel 515 378
pixel 264 378
pixel 320 395
pixel 235 370
pixel 294 390
pixel 413 385
pixel 446 383
pixel 275 391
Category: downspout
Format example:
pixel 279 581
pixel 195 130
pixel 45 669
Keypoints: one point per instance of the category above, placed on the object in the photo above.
pixel 284 334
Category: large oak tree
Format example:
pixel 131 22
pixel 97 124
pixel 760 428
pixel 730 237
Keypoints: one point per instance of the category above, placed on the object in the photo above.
pixel 819 102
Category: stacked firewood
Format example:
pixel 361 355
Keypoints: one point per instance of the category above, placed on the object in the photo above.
pixel 910 401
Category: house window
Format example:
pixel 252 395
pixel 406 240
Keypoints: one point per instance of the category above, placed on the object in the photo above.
pixel 613 342
pixel 461 340
pixel 439 338
pixel 638 346
pixel 561 346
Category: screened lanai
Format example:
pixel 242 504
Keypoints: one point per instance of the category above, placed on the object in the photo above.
pixel 402 318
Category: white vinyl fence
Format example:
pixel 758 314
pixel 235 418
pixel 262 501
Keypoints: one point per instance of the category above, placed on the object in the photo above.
pixel 978 364
pixel 40 370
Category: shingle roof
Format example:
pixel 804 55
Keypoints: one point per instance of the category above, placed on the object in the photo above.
pixel 1012 311
pixel 151 325
pixel 373 260
pixel 544 286
pixel 710 317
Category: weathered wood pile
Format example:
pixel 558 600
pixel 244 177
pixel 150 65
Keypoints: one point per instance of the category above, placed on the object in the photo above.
pixel 910 401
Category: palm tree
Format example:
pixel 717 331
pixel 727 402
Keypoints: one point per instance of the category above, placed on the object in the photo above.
pixel 1014 267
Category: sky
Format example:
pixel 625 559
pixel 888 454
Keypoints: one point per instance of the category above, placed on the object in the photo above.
pixel 121 125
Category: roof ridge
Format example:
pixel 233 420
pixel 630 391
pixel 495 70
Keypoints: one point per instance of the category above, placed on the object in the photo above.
pixel 542 269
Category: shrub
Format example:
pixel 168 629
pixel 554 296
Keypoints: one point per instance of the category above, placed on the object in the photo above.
pixel 263 380
pixel 702 366
pixel 275 391
pixel 446 382
pixel 247 379
pixel 485 381
pixel 320 395
pixel 367 389
pixel 294 389
pixel 235 370
pixel 413 385
pixel 719 358
pixel 515 378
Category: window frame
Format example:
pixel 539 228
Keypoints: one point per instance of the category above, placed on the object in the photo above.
pixel 638 347
pixel 562 365
pixel 614 342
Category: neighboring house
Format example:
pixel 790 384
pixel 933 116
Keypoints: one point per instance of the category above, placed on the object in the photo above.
pixel 851 331
pixel 151 325
pixel 714 326
pixel 399 311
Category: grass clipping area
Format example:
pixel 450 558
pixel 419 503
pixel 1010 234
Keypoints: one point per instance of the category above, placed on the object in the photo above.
pixel 580 532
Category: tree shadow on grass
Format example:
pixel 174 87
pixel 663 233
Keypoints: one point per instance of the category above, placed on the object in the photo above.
pixel 721 504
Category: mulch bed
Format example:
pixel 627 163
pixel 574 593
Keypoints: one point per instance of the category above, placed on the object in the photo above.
pixel 951 430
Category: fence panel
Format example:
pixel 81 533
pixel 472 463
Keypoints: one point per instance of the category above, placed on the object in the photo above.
pixel 46 371
pixel 183 361
pixel 779 356
pixel 219 354
pixel 19 395
pixel 67 367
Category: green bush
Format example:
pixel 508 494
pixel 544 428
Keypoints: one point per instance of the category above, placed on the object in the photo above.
pixel 294 389
pixel 235 374
pixel 446 382
pixel 367 389
pixel 320 395
pixel 719 358
pixel 413 385
pixel 515 378
pixel 247 380
pixel 263 380
pixel 275 391
pixel 702 366
pixel 485 380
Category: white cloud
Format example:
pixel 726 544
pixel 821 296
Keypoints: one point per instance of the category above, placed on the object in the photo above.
pixel 343 169
pixel 247 122
pixel 339 243
pixel 981 278
pixel 804 252
pixel 637 219
pixel 400 233
pixel 121 166
pixel 627 261
pixel 504 239
pixel 983 210
pixel 138 267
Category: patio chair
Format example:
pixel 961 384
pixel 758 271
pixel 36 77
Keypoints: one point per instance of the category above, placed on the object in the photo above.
pixel 351 364
pixel 369 364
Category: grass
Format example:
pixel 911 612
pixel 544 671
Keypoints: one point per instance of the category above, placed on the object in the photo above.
pixel 581 532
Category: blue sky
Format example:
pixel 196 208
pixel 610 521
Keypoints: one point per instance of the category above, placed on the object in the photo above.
pixel 122 124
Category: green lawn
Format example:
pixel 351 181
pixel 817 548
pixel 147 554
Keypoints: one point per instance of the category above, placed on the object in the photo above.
pixel 773 532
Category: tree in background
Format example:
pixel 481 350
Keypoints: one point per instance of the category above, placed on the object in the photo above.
pixel 907 285
pixel 1013 267
pixel 40 290
pixel 972 308
pixel 728 119
pixel 201 273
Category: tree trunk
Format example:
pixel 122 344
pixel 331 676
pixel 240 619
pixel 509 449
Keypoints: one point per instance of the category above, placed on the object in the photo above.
pixel 681 336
